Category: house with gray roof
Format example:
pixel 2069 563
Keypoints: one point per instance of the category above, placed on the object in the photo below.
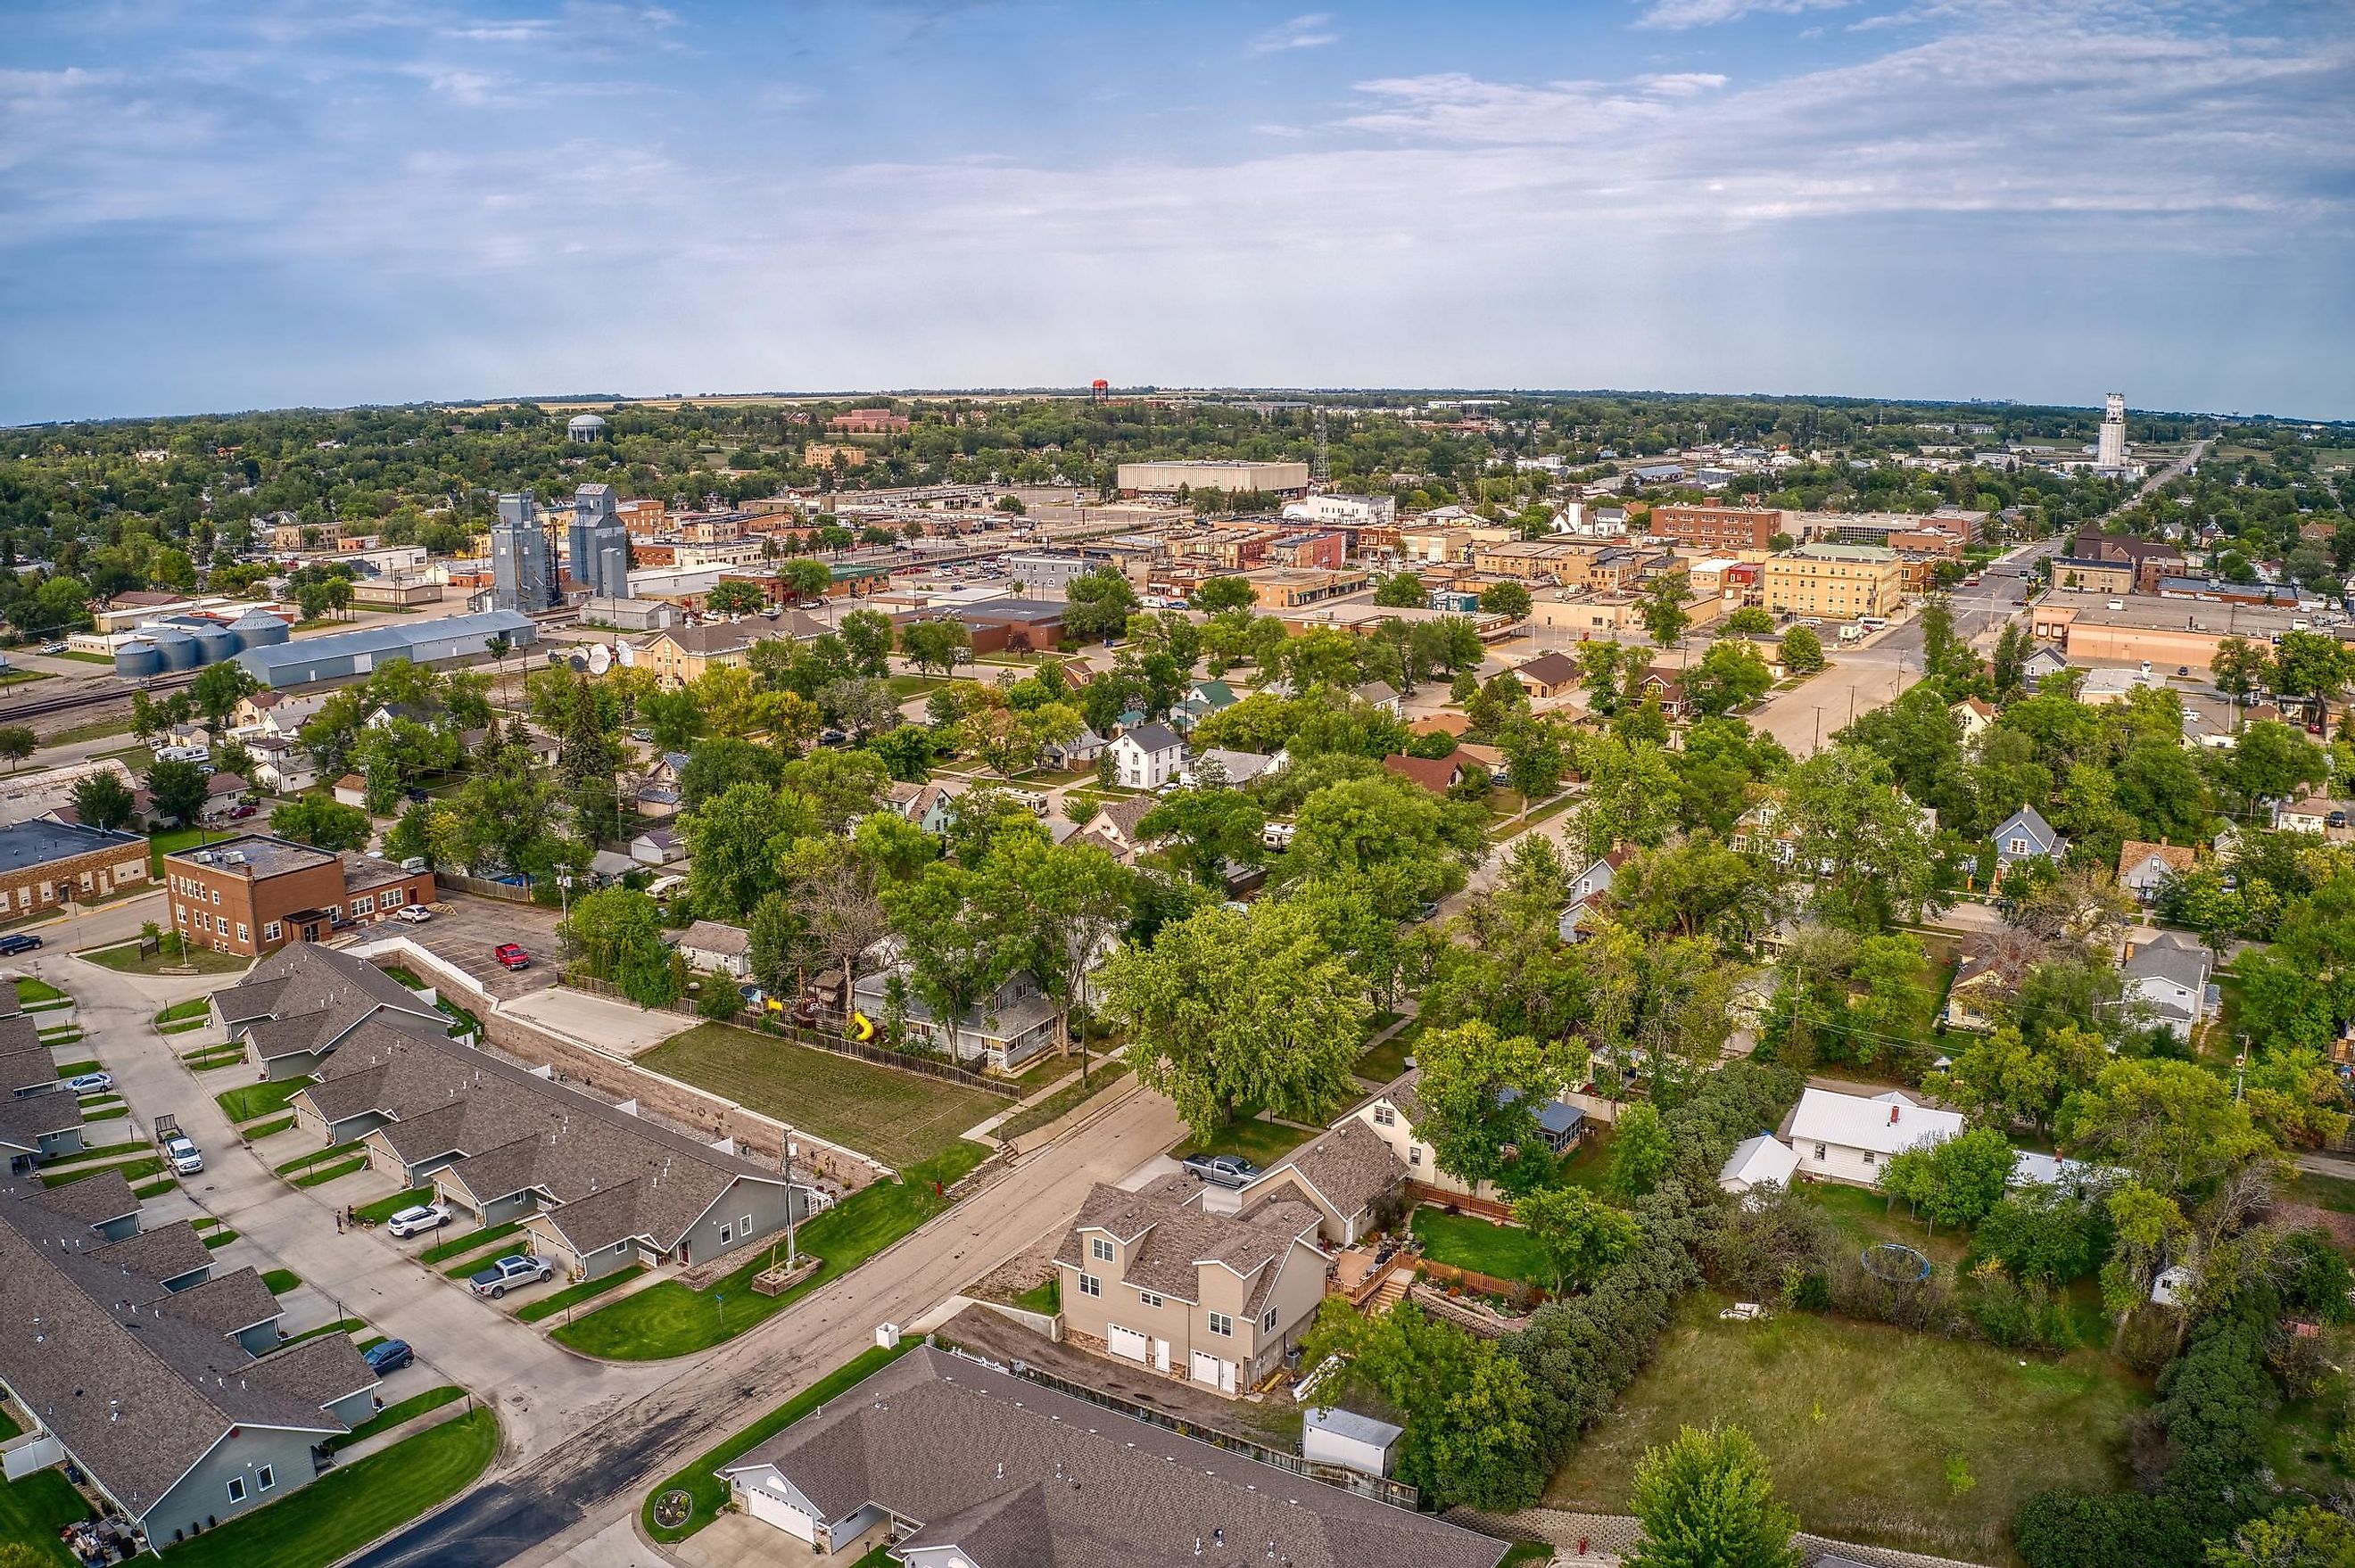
pixel 39 1126
pixel 300 1003
pixel 1344 1174
pixel 1001 1032
pixel 596 1187
pixel 971 1465
pixel 2170 975
pixel 717 949
pixel 2025 835
pixel 1216 1297
pixel 1147 756
pixel 172 1393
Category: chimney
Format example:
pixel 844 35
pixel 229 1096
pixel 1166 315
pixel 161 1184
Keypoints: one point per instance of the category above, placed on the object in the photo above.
pixel 1892 1115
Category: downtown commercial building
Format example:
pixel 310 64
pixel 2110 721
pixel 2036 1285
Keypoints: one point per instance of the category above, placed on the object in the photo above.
pixel 1840 582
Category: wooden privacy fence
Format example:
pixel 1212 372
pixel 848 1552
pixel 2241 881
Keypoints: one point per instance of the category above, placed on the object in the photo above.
pixel 1424 1195
pixel 1475 1281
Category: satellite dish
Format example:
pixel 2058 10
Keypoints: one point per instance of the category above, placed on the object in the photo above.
pixel 600 659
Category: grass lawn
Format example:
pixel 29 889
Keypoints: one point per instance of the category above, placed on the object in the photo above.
pixel 32 1511
pixel 1482 1246
pixel 76 1068
pixel 213 1061
pixel 441 1252
pixel 131 1169
pixel 320 1176
pixel 266 1128
pixel 126 959
pixel 709 1491
pixel 171 843
pixel 900 1118
pixel 103 1151
pixel 1047 1297
pixel 384 1209
pixel 1382 1062
pixel 341 1326
pixel 669 1319
pixel 550 1305
pixel 217 1240
pixel 2323 1191
pixel 30 992
pixel 154 1190
pixel 248 1100
pixel 1858 1420
pixel 1102 1076
pixel 281 1280
pixel 1866 1218
pixel 1586 1165
pixel 180 1012
pixel 346 1509
pixel 904 686
pixel 1262 1143
pixel 302 1162
pixel 393 1415
pixel 9 1427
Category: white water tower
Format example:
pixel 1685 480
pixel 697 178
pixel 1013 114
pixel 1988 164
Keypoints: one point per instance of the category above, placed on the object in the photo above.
pixel 2112 451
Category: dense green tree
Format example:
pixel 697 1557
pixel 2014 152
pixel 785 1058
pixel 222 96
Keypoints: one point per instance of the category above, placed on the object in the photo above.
pixel 103 800
pixel 1705 1500
pixel 1208 830
pixel 1802 650
pixel 320 820
pixel 936 645
pixel 1097 606
pixel 178 791
pixel 1730 676
pixel 1400 591
pixel 1639 1151
pixel 1215 595
pixel 1582 1236
pixel 1507 598
pixel 616 935
pixel 1478 1099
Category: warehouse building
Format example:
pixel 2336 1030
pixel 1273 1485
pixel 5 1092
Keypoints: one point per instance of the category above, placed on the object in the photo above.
pixel 1228 477
pixel 344 655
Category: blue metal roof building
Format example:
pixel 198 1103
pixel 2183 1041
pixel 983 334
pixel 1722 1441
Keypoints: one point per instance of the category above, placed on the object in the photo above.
pixel 346 656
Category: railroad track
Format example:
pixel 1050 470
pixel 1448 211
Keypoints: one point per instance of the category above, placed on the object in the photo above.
pixel 90 697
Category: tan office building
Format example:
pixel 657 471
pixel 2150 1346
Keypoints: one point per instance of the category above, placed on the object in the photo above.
pixel 1838 582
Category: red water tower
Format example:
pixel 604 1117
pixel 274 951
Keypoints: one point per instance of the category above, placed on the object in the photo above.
pixel 1102 391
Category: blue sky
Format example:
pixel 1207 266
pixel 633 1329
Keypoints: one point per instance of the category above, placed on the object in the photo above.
pixel 223 205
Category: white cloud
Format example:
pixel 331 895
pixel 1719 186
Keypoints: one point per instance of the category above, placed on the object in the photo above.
pixel 1682 14
pixel 1312 31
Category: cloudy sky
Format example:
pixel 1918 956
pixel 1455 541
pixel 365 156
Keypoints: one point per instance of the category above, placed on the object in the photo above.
pixel 222 205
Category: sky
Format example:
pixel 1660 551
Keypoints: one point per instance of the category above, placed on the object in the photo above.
pixel 213 207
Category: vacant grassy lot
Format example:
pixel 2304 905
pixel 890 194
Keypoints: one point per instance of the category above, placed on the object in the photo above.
pixel 1859 1420
pixel 1483 1247
pixel 898 1117
pixel 1382 1062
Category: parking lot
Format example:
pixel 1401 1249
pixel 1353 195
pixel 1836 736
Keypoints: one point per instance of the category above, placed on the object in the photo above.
pixel 467 930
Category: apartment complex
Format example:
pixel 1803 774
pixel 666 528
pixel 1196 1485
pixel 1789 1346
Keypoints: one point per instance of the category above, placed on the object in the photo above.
pixel 254 893
pixel 1840 582
pixel 44 863
pixel 1712 526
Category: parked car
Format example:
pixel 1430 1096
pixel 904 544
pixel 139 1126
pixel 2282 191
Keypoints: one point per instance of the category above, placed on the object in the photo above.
pixel 514 957
pixel 415 915
pixel 518 1268
pixel 53 647
pixel 387 1357
pixel 1222 1169
pixel 91 1083
pixel 182 1155
pixel 417 1220
pixel 17 942
pixel 239 812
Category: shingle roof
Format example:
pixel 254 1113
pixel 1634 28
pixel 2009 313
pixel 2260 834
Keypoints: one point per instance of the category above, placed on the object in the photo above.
pixel 514 1131
pixel 2174 857
pixel 1350 1166
pixel 1885 1123
pixel 2169 958
pixel 716 937
pixel 1020 1477
pixel 91 1202
pixel 305 997
pixel 1178 1238
pixel 1153 737
pixel 27 1119
pixel 1436 774
pixel 224 1304
pixel 1548 669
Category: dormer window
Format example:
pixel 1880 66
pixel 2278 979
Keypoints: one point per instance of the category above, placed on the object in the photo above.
pixel 1100 1249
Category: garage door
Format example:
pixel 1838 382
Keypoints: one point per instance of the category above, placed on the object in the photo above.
pixel 770 1509
pixel 1124 1342
pixel 1219 1374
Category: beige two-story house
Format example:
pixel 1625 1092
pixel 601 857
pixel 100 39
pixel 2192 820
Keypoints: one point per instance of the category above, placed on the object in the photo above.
pixel 1215 1299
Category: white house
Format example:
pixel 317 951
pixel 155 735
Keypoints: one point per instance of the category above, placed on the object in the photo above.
pixel 1757 1161
pixel 1382 694
pixel 281 766
pixel 2144 869
pixel 1147 756
pixel 2169 975
pixel 658 847
pixel 717 949
pixel 1848 1137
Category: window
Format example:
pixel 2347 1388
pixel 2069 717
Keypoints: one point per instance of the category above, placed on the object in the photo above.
pixel 1268 1322
pixel 1100 1249
pixel 727 1235
pixel 241 932
pixel 237 1488
pixel 1147 1298
pixel 265 1478
pixel 270 932
pixel 1414 1153
pixel 621 1246
pixel 392 899
pixel 1819 1151
pixel 363 905
pixel 1090 1286
pixel 1867 1157
pixel 1222 1324
pixel 1384 1116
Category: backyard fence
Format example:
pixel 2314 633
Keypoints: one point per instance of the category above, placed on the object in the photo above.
pixel 1424 1195
pixel 1478 1283
pixel 484 887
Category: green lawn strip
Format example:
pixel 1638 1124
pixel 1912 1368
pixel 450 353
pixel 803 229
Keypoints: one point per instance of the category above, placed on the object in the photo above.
pixel 194 1007
pixel 404 975
pixel 104 1151
pixel 132 1170
pixel 341 1326
pixel 669 1319
pixel 441 1252
pixel 205 1223
pixel 125 958
pixel 550 1305
pixel 324 1174
pixel 1528 1554
pixel 370 1343
pixel 281 1280
pixel 468 1268
pixel 352 1505
pixel 265 1129
pixel 8 1427
pixel 105 1113
pixel 190 1026
pixel 1063 1100
pixel 1381 1064
pixel 392 1416
pixel 154 1190
pixel 76 1068
pixel 898 1117
pixel 213 1063
pixel 1503 1251
pixel 34 1509
pixel 317 1157
pixel 709 1491
pixel 1859 1422
pixel 1046 1299
pixel 247 1100
pixel 53 1038
pixel 2331 1192
pixel 384 1209
pixel 30 991
pixel 1262 1143
pixel 220 1239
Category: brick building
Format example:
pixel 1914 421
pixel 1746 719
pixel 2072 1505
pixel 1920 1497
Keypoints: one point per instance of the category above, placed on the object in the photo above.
pixel 254 893
pixel 1710 526
pixel 45 863
pixel 1838 581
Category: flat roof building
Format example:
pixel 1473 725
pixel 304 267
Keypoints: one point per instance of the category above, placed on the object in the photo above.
pixel 256 892
pixel 1168 479
pixel 43 863
pixel 1840 582
pixel 344 656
